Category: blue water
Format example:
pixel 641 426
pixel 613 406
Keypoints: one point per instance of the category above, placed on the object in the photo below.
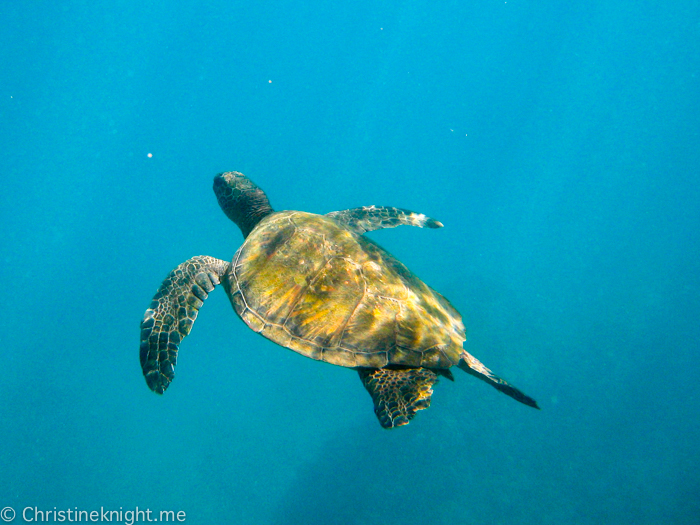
pixel 559 143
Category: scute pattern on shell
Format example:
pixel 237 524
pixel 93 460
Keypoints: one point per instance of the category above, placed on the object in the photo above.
pixel 305 282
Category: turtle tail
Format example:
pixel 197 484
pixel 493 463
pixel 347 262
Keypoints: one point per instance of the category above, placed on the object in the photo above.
pixel 171 315
pixel 471 365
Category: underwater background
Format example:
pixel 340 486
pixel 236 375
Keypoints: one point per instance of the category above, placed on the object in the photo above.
pixel 559 143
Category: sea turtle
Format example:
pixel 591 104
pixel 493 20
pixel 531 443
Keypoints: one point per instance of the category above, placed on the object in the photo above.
pixel 316 285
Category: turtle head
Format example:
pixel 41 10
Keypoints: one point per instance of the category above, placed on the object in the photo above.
pixel 241 199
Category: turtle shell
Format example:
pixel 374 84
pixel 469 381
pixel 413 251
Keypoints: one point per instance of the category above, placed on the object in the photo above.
pixel 310 284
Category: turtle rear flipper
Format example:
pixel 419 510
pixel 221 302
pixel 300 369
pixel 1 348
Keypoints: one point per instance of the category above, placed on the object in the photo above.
pixel 171 315
pixel 398 393
pixel 471 365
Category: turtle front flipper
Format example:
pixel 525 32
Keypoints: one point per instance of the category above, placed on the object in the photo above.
pixel 370 218
pixel 171 315
pixel 471 365
pixel 398 393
